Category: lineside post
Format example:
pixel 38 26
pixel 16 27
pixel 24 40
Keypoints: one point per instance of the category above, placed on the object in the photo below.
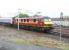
pixel 19 10
pixel 61 20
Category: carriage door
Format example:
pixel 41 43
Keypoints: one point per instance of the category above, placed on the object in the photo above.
pixel 40 22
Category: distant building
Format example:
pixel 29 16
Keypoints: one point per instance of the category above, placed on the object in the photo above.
pixel 63 20
pixel 66 18
pixel 61 15
pixel 66 21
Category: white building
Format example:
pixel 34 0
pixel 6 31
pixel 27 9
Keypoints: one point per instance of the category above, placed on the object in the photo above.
pixel 63 20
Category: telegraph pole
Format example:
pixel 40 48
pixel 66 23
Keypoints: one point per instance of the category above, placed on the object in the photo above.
pixel 19 10
pixel 61 18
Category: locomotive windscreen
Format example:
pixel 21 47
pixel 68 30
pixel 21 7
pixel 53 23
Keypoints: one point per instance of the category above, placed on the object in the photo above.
pixel 47 19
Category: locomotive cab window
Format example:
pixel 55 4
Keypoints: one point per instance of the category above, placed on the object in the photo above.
pixel 47 19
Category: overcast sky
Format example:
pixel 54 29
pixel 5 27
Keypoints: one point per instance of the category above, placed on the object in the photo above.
pixel 50 8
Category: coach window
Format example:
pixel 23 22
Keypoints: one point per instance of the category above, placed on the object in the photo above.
pixel 24 20
pixel 34 20
pixel 27 20
pixel 21 20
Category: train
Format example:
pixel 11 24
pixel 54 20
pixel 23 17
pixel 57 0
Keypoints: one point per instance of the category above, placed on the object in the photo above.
pixel 43 23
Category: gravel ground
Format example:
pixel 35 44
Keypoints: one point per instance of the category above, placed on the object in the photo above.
pixel 7 33
pixel 13 32
pixel 11 46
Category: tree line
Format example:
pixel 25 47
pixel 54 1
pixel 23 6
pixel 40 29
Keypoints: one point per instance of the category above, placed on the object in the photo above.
pixel 21 15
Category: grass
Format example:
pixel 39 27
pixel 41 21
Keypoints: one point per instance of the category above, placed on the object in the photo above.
pixel 51 43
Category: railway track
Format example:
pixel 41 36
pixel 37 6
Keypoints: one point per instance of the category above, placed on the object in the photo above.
pixel 64 32
pixel 55 31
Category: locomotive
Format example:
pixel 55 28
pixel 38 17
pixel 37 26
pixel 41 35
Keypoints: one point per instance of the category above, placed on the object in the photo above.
pixel 38 23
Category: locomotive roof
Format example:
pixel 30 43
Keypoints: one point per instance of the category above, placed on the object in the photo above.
pixel 34 17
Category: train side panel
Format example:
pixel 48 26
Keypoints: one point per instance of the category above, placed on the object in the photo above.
pixel 40 24
pixel 6 21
